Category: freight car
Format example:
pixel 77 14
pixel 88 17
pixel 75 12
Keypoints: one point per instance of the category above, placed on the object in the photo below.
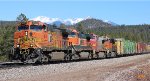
pixel 33 43
pixel 130 47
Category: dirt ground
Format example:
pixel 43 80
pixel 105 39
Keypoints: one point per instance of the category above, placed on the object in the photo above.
pixel 133 70
pixel 139 71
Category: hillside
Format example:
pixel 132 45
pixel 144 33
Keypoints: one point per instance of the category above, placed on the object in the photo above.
pixel 7 23
pixel 138 33
pixel 93 23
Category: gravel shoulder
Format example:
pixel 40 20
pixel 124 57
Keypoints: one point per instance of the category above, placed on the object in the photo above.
pixel 133 68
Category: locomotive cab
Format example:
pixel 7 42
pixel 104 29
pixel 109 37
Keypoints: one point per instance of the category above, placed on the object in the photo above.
pixel 93 41
pixel 109 45
pixel 30 35
pixel 73 38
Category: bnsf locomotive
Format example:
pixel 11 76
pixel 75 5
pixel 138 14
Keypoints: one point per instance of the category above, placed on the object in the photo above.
pixel 33 42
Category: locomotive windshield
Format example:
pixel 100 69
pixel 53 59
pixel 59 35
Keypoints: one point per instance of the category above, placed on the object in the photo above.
pixel 35 27
pixel 92 37
pixel 23 28
pixel 72 34
pixel 81 35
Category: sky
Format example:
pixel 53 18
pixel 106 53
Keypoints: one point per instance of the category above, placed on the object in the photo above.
pixel 129 12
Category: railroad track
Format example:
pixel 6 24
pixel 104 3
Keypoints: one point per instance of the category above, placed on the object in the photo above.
pixel 9 65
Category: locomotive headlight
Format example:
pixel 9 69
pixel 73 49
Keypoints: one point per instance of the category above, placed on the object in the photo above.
pixel 31 45
pixel 26 33
pixel 18 45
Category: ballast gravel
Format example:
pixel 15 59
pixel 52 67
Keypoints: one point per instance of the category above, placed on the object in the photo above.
pixel 119 67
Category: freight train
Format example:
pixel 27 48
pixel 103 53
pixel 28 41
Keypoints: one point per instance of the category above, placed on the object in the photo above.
pixel 34 43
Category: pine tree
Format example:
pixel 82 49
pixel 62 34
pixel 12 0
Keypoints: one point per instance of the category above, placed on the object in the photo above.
pixel 22 18
pixel 80 27
pixel 62 26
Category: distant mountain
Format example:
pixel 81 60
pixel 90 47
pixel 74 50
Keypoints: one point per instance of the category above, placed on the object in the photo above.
pixel 57 23
pixel 88 21
pixel 93 23
pixel 110 22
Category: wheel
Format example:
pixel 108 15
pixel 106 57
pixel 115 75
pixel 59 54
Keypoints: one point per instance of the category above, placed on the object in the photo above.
pixel 101 55
pixel 105 55
pixel 45 59
pixel 30 58
pixel 67 57
pixel 35 57
pixel 113 54
pixel 109 55
pixel 97 55
pixel 90 56
pixel 49 56
pixel 40 56
pixel 75 57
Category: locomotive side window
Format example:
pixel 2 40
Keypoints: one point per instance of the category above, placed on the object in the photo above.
pixel 65 34
pixel 49 37
pixel 35 27
pixel 112 41
pixel 72 34
pixel 23 28
pixel 45 28
pixel 88 37
pixel 92 37
pixel 103 41
pixel 81 35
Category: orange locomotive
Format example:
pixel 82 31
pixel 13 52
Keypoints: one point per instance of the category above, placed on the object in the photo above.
pixel 29 38
pixel 34 43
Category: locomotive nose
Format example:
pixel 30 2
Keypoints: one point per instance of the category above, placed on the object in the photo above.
pixel 25 39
